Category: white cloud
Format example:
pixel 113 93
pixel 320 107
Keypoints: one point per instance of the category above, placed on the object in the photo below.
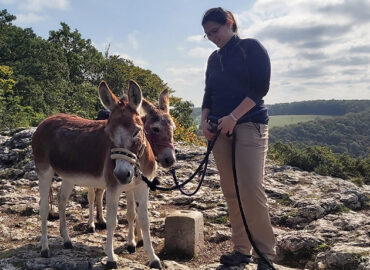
pixel 195 38
pixel 141 63
pixel 30 18
pixel 137 61
pixel 188 82
pixel 200 52
pixel 126 49
pixel 318 49
pixel 38 5
pixel 128 44
pixel 33 11
pixel 186 71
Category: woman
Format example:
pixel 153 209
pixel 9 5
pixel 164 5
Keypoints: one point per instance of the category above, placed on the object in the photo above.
pixel 237 78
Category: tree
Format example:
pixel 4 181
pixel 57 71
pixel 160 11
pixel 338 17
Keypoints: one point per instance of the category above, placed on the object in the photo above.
pixel 118 71
pixel 61 74
pixel 12 112
pixel 182 112
pixel 83 59
pixel 6 18
pixel 39 67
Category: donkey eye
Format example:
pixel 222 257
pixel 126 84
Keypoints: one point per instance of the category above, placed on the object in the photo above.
pixel 155 129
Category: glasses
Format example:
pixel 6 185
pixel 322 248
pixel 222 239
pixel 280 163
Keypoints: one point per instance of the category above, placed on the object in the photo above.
pixel 212 32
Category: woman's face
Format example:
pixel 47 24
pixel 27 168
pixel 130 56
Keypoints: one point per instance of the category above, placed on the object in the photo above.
pixel 219 34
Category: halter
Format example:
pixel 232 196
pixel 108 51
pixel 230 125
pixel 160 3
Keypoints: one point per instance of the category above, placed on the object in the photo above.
pixel 125 154
pixel 151 140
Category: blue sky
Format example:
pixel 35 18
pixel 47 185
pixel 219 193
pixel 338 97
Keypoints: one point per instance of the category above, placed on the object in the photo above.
pixel 318 49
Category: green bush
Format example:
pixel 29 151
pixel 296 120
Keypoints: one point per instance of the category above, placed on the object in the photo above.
pixel 322 160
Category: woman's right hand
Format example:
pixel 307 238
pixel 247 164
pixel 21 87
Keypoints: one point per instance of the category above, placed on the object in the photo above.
pixel 206 127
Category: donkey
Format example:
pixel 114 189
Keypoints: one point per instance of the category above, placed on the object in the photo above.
pixel 158 126
pixel 101 154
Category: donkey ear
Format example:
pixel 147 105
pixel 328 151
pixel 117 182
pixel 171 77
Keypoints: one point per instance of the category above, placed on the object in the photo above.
pixel 106 96
pixel 164 101
pixel 135 96
pixel 146 108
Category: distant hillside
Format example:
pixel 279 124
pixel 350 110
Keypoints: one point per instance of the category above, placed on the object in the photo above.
pixel 285 120
pixel 312 107
pixel 349 133
pixel 319 107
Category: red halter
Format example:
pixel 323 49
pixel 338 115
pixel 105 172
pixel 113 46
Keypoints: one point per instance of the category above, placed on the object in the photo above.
pixel 152 141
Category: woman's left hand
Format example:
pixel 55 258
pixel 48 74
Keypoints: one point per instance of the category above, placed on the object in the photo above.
pixel 226 124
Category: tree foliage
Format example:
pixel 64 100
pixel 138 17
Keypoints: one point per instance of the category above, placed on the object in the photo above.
pixel 83 59
pixel 61 74
pixel 182 111
pixel 321 160
pixel 343 134
pixel 319 107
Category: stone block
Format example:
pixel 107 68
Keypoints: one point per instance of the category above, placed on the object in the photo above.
pixel 184 233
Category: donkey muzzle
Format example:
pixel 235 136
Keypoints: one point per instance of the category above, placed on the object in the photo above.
pixel 125 165
pixel 124 172
pixel 167 158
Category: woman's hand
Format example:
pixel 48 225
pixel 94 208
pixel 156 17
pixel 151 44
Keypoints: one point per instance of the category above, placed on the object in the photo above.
pixel 206 131
pixel 226 124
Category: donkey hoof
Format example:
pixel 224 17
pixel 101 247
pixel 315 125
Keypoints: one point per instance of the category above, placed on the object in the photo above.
pixel 156 265
pixel 111 265
pixel 45 253
pixel 101 226
pixel 131 249
pixel 140 243
pixel 68 245
pixel 91 230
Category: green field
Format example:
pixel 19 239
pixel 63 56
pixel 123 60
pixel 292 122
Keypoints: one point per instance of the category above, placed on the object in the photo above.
pixel 283 120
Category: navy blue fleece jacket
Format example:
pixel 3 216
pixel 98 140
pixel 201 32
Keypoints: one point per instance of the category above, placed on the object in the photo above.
pixel 238 70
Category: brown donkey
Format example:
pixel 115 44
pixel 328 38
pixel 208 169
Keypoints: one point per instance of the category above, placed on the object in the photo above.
pixel 101 154
pixel 159 128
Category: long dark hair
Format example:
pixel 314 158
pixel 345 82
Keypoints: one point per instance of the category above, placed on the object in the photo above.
pixel 219 15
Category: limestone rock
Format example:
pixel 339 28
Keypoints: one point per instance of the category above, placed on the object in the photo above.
pixel 184 233
pixel 320 222
pixel 344 257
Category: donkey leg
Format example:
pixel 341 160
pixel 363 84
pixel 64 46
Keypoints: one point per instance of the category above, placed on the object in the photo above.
pixel 102 223
pixel 65 191
pixel 112 205
pixel 141 197
pixel 139 234
pixel 131 243
pixel 91 199
pixel 45 179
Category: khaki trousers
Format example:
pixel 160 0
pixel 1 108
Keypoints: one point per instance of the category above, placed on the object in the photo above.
pixel 251 150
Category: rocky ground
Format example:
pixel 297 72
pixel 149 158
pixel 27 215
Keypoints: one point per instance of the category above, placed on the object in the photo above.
pixel 320 222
